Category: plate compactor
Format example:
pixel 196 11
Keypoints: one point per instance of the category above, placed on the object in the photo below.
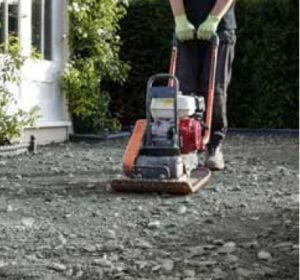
pixel 163 152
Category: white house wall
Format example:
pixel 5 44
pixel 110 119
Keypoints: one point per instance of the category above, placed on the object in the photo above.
pixel 40 82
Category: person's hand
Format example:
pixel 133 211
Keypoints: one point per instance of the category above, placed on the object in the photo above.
pixel 184 30
pixel 208 28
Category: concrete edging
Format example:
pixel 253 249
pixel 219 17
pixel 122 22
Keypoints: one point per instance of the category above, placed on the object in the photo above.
pixel 18 148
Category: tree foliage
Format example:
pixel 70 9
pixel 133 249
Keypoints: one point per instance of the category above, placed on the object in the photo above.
pixel 94 57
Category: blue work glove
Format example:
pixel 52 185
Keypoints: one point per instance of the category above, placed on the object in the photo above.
pixel 184 30
pixel 208 28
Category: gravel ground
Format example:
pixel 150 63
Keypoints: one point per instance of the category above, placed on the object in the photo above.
pixel 59 220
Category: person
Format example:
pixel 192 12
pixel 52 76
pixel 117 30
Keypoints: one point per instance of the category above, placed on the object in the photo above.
pixel 196 22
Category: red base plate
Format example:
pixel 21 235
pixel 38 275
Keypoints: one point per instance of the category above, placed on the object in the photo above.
pixel 198 179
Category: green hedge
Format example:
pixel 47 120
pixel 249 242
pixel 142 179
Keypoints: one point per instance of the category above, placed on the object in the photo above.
pixel 146 34
pixel 264 89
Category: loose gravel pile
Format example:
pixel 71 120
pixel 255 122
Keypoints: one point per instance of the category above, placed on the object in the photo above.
pixel 59 219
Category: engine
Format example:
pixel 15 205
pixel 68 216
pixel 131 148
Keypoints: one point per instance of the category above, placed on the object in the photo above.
pixel 190 113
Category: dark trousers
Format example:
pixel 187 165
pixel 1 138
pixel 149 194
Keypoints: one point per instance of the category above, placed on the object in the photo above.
pixel 193 73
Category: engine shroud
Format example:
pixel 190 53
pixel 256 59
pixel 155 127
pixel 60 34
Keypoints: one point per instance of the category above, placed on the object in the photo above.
pixel 190 131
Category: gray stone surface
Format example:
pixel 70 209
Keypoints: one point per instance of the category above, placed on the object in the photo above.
pixel 59 219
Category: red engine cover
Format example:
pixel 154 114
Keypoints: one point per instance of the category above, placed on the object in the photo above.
pixel 190 131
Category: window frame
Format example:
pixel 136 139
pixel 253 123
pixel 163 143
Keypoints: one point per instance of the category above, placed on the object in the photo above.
pixel 5 19
pixel 43 17
pixel 22 27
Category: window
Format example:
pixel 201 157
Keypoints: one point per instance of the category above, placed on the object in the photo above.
pixel 42 27
pixel 9 10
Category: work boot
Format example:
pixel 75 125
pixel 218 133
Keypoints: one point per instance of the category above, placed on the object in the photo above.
pixel 215 159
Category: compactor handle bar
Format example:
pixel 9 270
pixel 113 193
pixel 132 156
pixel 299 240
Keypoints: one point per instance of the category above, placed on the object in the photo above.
pixel 215 42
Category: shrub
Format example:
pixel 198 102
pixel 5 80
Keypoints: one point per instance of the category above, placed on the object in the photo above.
pixel 264 88
pixel 12 118
pixel 94 46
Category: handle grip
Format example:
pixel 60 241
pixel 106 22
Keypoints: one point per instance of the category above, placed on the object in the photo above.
pixel 163 76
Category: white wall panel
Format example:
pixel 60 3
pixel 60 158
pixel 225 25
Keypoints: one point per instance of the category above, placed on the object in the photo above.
pixel 40 83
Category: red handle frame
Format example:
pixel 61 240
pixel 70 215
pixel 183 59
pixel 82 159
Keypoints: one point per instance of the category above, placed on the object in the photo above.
pixel 211 85
pixel 211 90
pixel 173 62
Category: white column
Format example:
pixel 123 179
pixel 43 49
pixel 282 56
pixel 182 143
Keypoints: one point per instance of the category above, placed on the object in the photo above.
pixel 57 29
pixel 25 26
pixel 5 21
pixel 65 32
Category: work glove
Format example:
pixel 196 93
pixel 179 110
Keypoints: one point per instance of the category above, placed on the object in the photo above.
pixel 208 28
pixel 184 30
